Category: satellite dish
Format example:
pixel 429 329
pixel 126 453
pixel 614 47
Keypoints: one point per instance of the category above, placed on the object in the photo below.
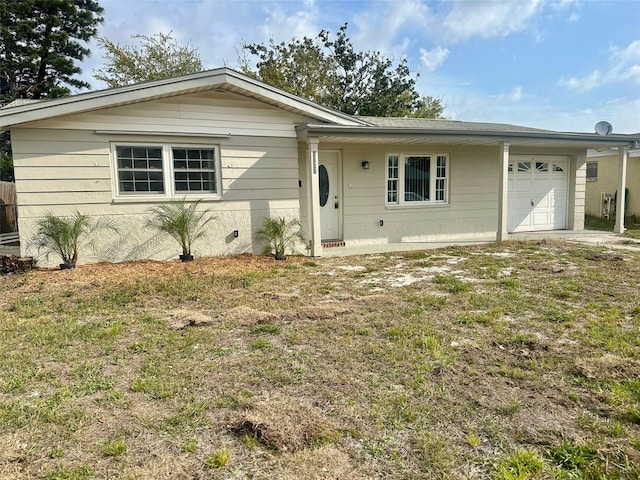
pixel 604 128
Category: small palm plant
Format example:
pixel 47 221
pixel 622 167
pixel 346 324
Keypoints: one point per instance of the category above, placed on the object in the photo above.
pixel 280 234
pixel 182 221
pixel 65 236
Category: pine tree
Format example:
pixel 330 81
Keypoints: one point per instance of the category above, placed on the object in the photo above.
pixel 39 45
pixel 40 42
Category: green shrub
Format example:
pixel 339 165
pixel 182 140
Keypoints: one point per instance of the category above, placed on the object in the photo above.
pixel 65 236
pixel 182 221
pixel 281 234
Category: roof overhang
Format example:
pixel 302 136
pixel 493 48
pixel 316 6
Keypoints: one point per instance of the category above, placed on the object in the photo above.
pixel 221 79
pixel 420 136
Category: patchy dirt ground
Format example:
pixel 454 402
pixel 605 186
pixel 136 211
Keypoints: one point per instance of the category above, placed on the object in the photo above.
pixel 506 361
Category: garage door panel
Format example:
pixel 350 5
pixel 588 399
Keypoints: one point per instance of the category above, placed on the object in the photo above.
pixel 521 219
pixel 538 198
pixel 541 219
pixel 537 203
pixel 559 218
pixel 542 185
pixel 551 201
pixel 523 185
pixel 522 204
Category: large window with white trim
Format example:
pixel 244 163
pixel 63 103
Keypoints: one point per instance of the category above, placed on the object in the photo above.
pixel 414 179
pixel 167 170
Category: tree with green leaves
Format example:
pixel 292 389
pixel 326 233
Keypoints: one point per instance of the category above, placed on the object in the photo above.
pixel 158 57
pixel 40 42
pixel 329 71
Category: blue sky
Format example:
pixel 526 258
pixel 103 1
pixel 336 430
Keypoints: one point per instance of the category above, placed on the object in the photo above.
pixel 556 64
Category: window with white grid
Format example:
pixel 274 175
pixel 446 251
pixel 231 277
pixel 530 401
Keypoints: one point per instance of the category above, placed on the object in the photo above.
pixel 416 179
pixel 194 169
pixel 167 170
pixel 392 179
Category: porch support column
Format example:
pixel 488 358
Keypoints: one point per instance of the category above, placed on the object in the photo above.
pixel 314 197
pixel 623 154
pixel 503 191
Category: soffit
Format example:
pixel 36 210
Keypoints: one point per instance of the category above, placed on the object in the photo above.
pixel 399 136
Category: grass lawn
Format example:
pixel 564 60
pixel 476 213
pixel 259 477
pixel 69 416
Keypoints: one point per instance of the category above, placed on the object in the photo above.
pixel 632 225
pixel 508 362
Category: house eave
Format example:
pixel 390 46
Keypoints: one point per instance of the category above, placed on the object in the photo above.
pixel 222 79
pixel 374 134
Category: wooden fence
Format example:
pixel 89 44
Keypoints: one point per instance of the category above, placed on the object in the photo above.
pixel 8 208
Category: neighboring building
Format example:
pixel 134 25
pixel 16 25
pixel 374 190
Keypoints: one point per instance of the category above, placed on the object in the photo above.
pixel 603 175
pixel 251 151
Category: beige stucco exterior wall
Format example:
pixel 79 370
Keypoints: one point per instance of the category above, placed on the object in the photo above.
pixel 607 182
pixel 64 165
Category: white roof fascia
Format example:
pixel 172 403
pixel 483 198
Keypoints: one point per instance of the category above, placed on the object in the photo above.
pixel 592 153
pixel 222 78
pixel 582 140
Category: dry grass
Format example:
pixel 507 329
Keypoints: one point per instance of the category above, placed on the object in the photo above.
pixel 518 360
pixel 286 424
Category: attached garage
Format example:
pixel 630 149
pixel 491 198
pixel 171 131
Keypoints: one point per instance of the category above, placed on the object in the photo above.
pixel 538 195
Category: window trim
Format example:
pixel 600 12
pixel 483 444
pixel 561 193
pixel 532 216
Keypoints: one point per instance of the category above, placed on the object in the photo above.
pixel 168 172
pixel 401 179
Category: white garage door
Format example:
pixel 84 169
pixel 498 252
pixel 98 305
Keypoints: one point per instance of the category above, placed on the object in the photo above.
pixel 538 193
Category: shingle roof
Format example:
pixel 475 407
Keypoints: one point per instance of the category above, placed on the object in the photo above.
pixel 18 102
pixel 443 124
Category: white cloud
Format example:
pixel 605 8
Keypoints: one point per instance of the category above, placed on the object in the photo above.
pixel 584 84
pixel 488 18
pixel 624 65
pixel 625 55
pixel 563 4
pixel 515 95
pixel 433 58
pixel 632 73
pixel 283 25
pixel 388 27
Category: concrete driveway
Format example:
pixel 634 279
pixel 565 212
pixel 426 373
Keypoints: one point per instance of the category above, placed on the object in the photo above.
pixel 590 237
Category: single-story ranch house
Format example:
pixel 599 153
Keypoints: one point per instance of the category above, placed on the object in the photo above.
pixel 252 151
